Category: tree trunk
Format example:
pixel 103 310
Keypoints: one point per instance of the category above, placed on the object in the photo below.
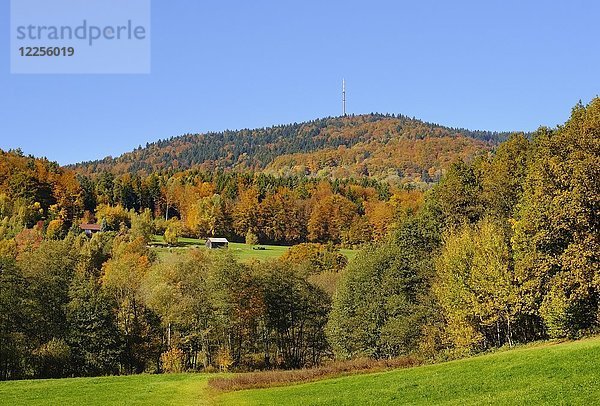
pixel 509 333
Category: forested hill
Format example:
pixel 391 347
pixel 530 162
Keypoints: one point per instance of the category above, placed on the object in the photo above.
pixel 364 145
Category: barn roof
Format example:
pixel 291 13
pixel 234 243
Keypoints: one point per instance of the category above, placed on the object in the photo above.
pixel 213 239
pixel 91 227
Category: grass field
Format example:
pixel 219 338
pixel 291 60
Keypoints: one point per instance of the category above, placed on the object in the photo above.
pixel 547 373
pixel 242 251
pixel 180 389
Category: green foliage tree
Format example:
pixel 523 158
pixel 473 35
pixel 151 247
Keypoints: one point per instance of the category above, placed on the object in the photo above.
pixel 14 320
pixel 122 277
pixel 379 309
pixel 48 270
pixel 503 176
pixel 238 305
pixel 93 336
pixel 180 293
pixel 458 196
pixel 296 314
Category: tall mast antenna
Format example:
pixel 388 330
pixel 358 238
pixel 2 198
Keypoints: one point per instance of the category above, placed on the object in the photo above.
pixel 344 97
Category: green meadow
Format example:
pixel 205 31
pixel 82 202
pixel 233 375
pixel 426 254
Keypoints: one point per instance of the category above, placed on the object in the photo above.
pixel 538 374
pixel 541 375
pixel 175 389
pixel 244 252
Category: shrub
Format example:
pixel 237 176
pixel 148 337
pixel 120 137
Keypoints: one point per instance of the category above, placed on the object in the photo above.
pixel 52 358
pixel 173 361
pixel 224 359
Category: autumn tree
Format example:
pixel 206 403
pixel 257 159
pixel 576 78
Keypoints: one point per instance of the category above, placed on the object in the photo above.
pixel 113 217
pixel 557 237
pixel 476 287
pixel 380 216
pixel 172 232
pixel 246 213
pixel 316 258
pixel 122 276
pixel 141 225
pixel 209 216
pixel 330 218
pixel 282 217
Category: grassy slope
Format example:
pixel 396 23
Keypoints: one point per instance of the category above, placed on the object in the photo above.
pixel 542 374
pixel 547 374
pixel 244 252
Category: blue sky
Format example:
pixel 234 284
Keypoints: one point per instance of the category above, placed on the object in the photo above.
pixel 495 65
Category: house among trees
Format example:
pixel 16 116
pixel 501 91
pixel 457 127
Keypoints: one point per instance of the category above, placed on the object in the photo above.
pixel 90 229
pixel 213 243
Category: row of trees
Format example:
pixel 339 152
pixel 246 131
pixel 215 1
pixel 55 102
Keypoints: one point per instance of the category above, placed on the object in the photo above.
pixel 351 216
pixel 273 210
pixel 85 307
pixel 505 249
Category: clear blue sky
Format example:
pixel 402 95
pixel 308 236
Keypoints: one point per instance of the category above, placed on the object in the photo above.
pixel 496 65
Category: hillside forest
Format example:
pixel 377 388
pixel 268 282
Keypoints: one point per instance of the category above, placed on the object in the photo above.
pixel 394 148
pixel 494 242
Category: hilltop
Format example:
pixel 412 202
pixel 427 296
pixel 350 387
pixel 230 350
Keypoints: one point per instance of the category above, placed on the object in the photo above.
pixel 387 147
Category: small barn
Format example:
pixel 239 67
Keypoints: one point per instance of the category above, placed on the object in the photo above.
pixel 90 229
pixel 214 243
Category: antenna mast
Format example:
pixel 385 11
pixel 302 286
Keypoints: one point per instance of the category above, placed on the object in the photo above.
pixel 344 97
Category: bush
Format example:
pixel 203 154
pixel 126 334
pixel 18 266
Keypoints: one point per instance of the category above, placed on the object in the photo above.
pixel 565 316
pixel 224 359
pixel 52 359
pixel 554 313
pixel 159 225
pixel 173 361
